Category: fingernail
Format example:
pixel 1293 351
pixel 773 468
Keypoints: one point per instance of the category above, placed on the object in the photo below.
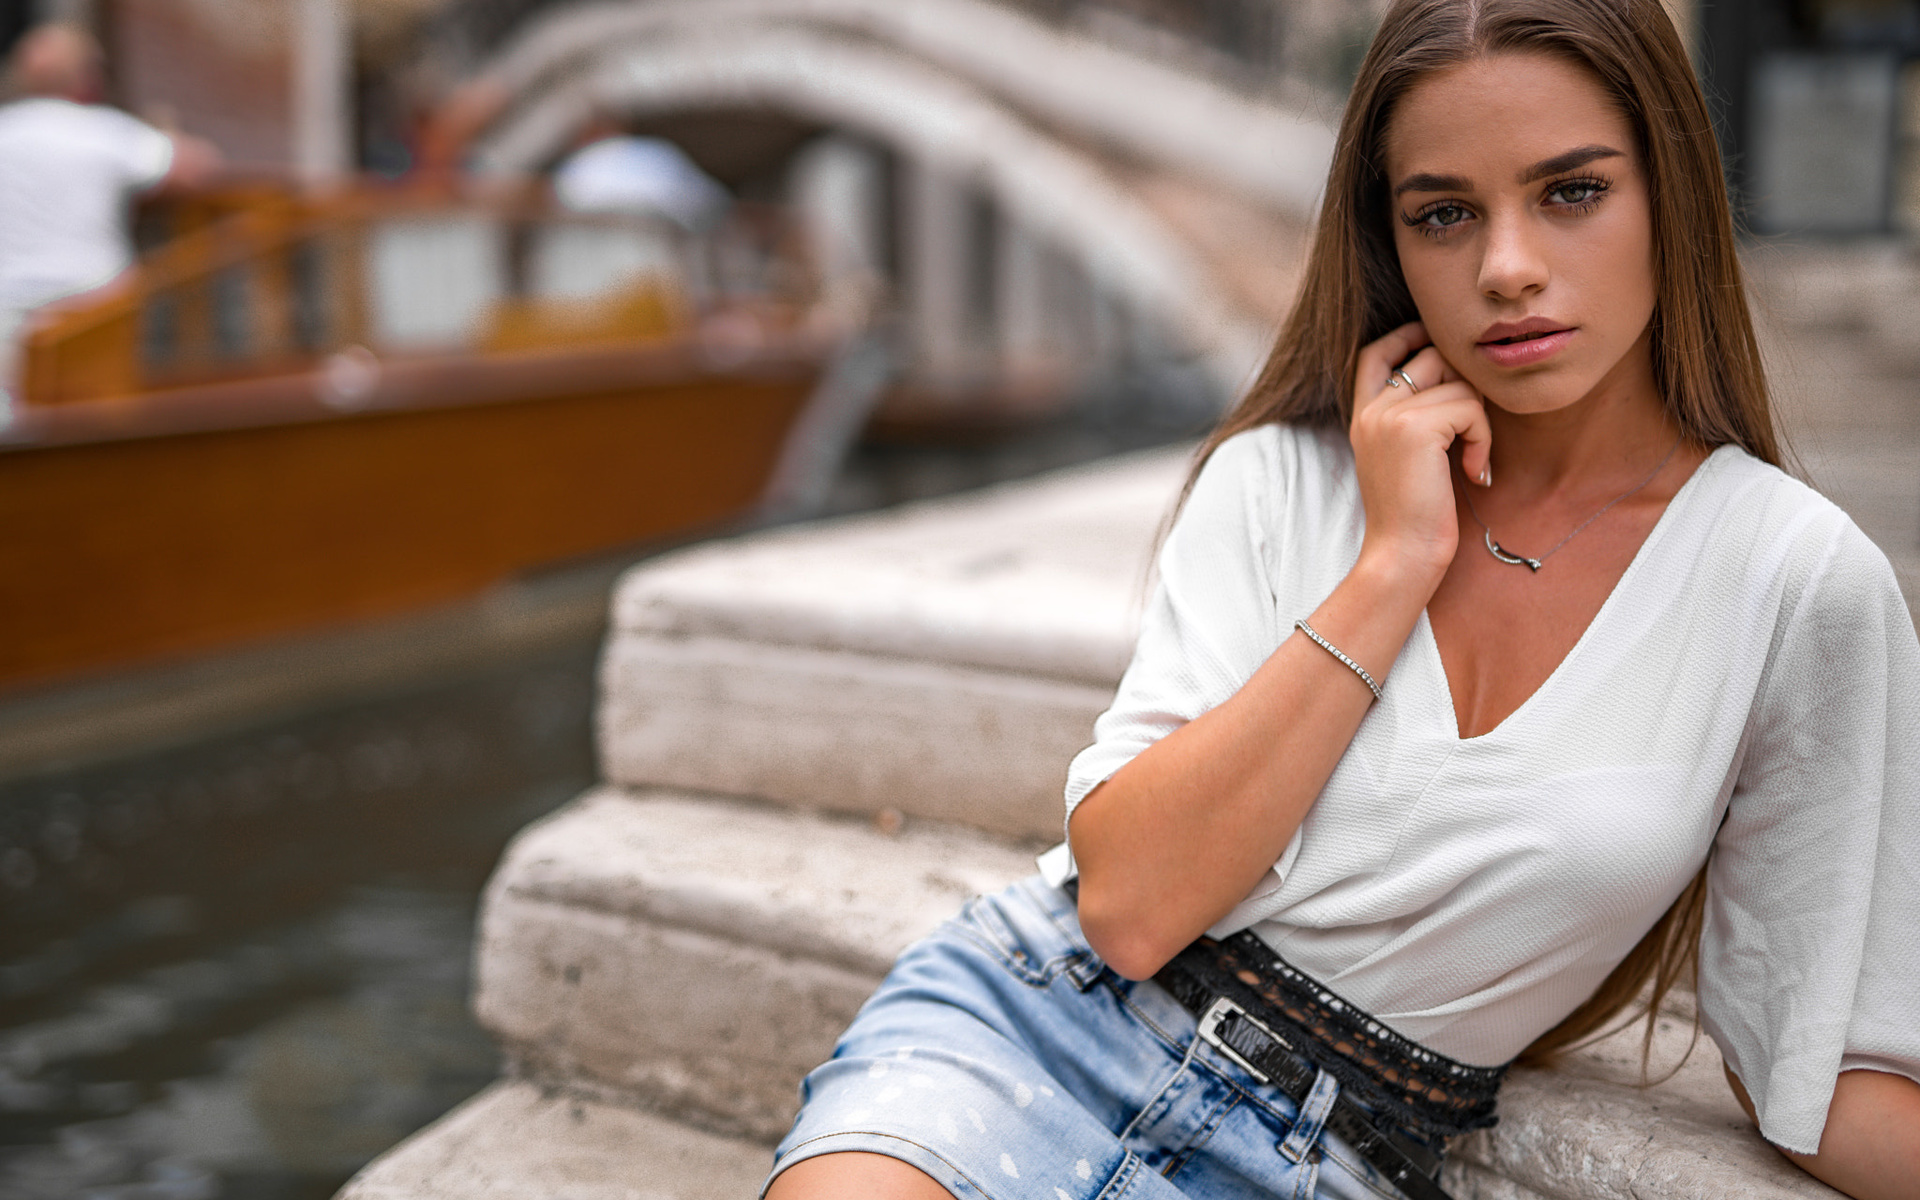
pixel 1486 477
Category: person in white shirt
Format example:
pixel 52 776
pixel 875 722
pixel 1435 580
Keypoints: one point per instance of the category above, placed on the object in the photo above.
pixel 68 168
pixel 1495 672
pixel 617 172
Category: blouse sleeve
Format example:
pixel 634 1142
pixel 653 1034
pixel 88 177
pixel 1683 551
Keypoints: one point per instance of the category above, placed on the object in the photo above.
pixel 1810 959
pixel 1209 626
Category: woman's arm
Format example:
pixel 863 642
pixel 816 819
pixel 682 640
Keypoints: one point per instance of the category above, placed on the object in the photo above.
pixel 1176 838
pixel 1870 1148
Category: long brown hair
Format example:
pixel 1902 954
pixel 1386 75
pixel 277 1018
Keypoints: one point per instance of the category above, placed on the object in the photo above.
pixel 1706 359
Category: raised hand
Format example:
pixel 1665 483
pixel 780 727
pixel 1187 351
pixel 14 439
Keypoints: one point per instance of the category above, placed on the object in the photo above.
pixel 1402 435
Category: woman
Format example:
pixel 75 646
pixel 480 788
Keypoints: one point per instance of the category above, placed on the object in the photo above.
pixel 1581 685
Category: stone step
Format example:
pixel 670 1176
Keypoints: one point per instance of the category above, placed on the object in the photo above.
pixel 519 1141
pixel 1590 1129
pixel 697 956
pixel 1587 1133
pixel 944 659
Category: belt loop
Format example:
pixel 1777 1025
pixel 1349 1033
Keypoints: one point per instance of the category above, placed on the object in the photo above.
pixel 1086 970
pixel 1312 1118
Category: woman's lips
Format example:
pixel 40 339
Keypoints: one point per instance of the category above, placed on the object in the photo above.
pixel 1533 348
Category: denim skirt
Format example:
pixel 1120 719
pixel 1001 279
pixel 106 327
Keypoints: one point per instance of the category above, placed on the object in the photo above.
pixel 1002 1057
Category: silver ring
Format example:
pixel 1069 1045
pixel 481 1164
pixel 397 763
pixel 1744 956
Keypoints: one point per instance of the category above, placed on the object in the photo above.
pixel 1399 377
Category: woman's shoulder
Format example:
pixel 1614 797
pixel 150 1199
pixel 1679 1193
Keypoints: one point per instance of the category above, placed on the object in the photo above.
pixel 1281 458
pixel 1784 529
pixel 1269 492
pixel 1757 495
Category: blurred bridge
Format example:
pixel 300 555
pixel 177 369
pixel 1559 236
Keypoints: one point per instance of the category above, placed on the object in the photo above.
pixel 1035 202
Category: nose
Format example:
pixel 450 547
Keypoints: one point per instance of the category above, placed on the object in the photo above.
pixel 1513 262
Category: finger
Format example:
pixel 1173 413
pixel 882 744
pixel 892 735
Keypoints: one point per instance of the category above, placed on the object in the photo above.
pixel 1455 411
pixel 1377 358
pixel 1399 398
pixel 1427 356
pixel 1427 369
pixel 1476 443
pixel 1398 344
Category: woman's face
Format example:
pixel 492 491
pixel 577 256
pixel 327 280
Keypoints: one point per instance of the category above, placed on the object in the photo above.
pixel 1521 216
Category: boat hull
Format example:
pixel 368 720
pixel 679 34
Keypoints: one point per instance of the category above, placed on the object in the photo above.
pixel 142 530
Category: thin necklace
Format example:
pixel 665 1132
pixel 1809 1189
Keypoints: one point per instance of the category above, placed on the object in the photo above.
pixel 1533 564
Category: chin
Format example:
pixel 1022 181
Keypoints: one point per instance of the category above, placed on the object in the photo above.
pixel 1529 397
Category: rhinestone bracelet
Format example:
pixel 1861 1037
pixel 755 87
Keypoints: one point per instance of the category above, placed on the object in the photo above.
pixel 1334 650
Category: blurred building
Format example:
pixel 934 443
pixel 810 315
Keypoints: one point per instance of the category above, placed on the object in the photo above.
pixel 1818 108
pixel 266 80
pixel 1043 197
pixel 1040 196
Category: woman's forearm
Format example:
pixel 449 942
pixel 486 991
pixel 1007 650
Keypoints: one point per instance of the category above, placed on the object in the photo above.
pixel 1181 834
pixel 1871 1146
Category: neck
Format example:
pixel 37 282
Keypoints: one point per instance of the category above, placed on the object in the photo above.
pixel 1619 428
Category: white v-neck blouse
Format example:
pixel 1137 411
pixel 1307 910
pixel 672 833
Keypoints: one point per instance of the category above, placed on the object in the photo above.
pixel 1751 685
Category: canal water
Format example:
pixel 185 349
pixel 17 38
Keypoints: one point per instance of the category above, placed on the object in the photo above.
pixel 240 968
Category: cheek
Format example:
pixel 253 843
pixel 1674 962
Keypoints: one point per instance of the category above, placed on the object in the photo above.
pixel 1627 259
pixel 1435 281
pixel 1621 269
pixel 1646 283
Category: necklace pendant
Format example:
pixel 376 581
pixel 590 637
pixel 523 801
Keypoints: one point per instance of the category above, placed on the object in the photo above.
pixel 1518 560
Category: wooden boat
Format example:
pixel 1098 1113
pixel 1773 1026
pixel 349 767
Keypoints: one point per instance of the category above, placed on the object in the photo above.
pixel 309 414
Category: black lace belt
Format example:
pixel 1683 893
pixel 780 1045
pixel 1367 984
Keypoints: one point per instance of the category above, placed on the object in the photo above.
pixel 1263 1012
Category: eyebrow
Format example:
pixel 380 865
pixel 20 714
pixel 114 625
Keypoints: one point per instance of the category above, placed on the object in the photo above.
pixel 1570 160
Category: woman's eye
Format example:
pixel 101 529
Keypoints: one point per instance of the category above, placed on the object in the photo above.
pixel 1441 216
pixel 1577 193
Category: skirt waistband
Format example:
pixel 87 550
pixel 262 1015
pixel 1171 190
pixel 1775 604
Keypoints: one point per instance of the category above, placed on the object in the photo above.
pixel 1392 1075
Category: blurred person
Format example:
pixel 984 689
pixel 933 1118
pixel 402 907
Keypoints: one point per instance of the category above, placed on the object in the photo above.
pixel 1496 676
pixel 618 172
pixel 446 134
pixel 69 164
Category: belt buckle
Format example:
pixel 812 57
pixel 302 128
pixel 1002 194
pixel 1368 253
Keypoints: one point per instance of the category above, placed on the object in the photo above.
pixel 1209 1032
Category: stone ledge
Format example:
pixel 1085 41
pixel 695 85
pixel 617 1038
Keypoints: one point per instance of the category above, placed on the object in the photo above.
pixel 698 956
pixel 797 883
pixel 695 955
pixel 518 1141
pixel 1039 578
pixel 844 731
pixel 1587 1130
pixel 945 659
